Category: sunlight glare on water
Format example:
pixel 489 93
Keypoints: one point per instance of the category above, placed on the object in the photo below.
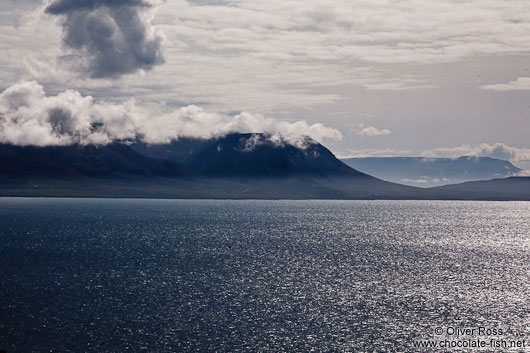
pixel 240 276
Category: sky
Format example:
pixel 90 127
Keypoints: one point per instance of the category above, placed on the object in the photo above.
pixel 438 78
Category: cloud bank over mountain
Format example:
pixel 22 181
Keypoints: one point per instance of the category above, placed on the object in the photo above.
pixel 108 38
pixel 30 117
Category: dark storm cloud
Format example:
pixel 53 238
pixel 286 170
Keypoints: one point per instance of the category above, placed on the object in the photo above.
pixel 63 6
pixel 109 36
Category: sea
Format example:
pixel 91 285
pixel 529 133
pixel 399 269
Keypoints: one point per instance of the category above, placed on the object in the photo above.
pixel 145 275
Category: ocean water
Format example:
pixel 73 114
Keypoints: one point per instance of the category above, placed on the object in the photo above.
pixel 103 275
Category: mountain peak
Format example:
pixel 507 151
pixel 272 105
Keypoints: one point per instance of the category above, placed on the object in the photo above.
pixel 250 155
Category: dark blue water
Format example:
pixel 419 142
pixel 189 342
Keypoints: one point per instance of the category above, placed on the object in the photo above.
pixel 270 276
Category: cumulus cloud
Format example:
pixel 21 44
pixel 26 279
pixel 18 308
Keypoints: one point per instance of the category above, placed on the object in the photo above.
pixel 109 38
pixel 30 117
pixel 521 84
pixel 503 151
pixel 371 131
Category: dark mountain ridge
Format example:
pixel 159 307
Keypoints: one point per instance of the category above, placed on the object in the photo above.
pixel 249 155
pixel 232 166
pixel 113 160
pixel 239 166
pixel 234 155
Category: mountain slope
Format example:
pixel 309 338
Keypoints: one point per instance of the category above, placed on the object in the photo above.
pixel 248 155
pixel 252 155
pixel 513 188
pixel 114 160
pixel 264 167
pixel 233 166
pixel 428 172
pixel 237 166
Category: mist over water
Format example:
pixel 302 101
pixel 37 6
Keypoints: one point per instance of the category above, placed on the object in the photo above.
pixel 240 276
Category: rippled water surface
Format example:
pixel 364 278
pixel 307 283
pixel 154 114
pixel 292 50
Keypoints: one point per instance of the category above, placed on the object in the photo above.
pixel 243 276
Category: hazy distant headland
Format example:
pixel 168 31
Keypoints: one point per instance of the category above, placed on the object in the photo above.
pixel 428 172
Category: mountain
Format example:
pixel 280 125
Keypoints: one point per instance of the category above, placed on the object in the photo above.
pixel 249 155
pixel 429 172
pixel 513 188
pixel 233 166
pixel 63 162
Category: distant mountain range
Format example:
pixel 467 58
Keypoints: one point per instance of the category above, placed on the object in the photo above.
pixel 428 172
pixel 236 166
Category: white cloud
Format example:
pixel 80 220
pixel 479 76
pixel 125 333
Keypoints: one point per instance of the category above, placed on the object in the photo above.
pixel 30 117
pixel 525 173
pixel 419 181
pixel 371 131
pixel 396 84
pixel 521 84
